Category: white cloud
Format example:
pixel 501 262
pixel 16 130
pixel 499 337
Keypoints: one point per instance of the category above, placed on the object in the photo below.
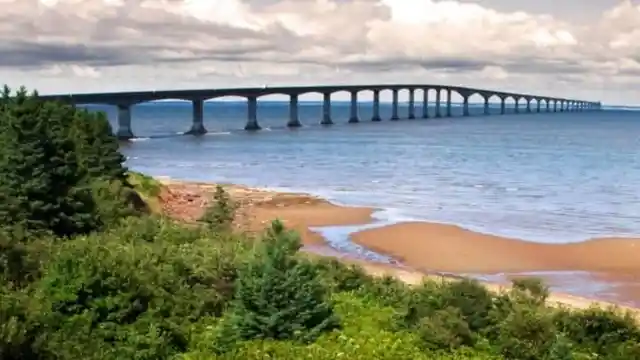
pixel 89 45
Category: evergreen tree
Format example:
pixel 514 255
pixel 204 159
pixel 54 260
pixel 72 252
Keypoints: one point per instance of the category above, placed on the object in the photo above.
pixel 97 147
pixel 278 296
pixel 39 172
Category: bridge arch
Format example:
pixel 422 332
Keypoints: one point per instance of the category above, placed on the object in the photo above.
pixel 457 100
pixel 403 102
pixel 225 110
pixel 365 104
pixel 495 103
pixel 476 103
pixel 521 101
pixel 433 94
pixel 272 108
pixel 386 98
pixel 510 103
pixel 419 105
pixel 310 107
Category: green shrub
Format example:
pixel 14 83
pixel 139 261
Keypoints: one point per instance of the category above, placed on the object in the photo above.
pixel 599 330
pixel 16 333
pixel 277 295
pixel 527 334
pixel 535 288
pixel 445 329
pixel 108 296
pixel 340 277
pixel 219 216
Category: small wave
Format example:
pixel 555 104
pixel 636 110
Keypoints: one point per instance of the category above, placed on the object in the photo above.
pixel 217 133
pixel 139 139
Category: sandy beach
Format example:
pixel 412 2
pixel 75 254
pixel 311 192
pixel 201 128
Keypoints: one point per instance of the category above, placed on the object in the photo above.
pixel 423 248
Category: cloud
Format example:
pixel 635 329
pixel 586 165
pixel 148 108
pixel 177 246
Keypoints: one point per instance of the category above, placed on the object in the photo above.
pixel 182 43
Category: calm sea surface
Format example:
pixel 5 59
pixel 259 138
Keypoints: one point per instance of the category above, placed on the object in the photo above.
pixel 542 177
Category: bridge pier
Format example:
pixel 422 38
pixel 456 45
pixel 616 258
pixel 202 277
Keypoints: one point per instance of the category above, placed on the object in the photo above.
pixel 294 118
pixel 425 103
pixel 376 106
pixel 449 102
pixel 528 105
pixel 124 122
pixel 465 105
pixel 548 105
pixel 412 104
pixel 354 108
pixel 394 106
pixel 438 111
pixel 517 108
pixel 252 114
pixel 503 105
pixel 326 110
pixel 538 105
pixel 197 125
pixel 486 105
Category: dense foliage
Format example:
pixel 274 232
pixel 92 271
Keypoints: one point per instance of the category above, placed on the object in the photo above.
pixel 86 274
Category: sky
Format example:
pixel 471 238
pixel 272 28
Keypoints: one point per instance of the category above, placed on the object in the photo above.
pixel 580 49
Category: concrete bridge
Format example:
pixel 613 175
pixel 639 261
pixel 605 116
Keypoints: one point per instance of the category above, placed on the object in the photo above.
pixel 125 100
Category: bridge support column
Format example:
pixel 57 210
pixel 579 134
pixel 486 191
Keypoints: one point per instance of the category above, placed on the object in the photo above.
pixel 394 106
pixel 412 104
pixel 354 108
pixel 197 125
pixel 294 118
pixel 528 105
pixel 326 110
pixel 425 103
pixel 548 105
pixel 124 123
pixel 465 106
pixel 376 106
pixel 537 105
pixel 503 106
pixel 438 101
pixel 486 105
pixel 517 108
pixel 448 102
pixel 252 114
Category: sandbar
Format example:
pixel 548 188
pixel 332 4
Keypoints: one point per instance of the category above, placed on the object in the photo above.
pixel 450 248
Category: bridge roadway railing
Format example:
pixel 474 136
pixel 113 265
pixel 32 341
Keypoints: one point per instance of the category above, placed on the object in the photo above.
pixel 125 100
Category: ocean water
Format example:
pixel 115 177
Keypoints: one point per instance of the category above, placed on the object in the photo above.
pixel 556 177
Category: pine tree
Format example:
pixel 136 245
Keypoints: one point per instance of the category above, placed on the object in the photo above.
pixel 97 147
pixel 278 296
pixel 39 174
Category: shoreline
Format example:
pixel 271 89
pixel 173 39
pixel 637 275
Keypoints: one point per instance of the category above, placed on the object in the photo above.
pixel 391 218
pixel 311 216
